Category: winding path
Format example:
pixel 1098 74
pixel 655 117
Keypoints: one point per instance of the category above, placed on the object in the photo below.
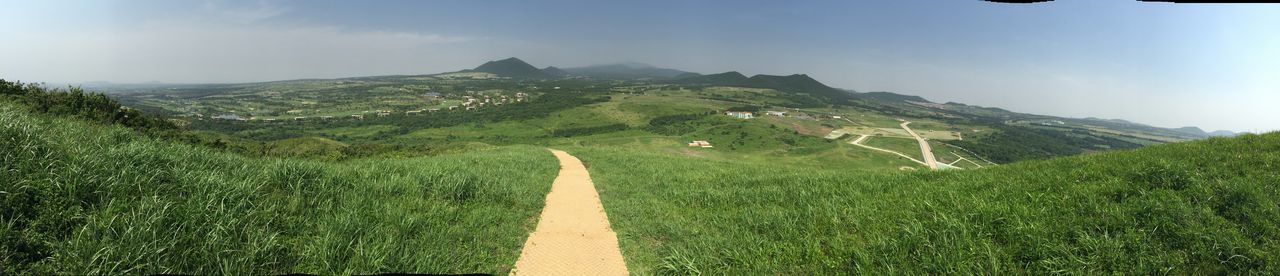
pixel 858 142
pixel 924 148
pixel 573 236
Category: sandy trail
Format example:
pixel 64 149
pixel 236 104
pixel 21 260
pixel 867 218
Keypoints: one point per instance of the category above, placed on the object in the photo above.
pixel 573 236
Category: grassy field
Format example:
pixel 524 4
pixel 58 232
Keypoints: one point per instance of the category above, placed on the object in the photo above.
pixel 88 199
pixel 907 146
pixel 1205 207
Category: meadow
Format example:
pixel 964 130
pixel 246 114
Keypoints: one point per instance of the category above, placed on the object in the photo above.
pixel 1203 207
pixel 82 198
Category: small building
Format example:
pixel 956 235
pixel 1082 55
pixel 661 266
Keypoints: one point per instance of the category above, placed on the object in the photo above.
pixel 326 117
pixel 433 110
pixel 357 116
pixel 384 114
pixel 776 113
pixel 299 118
pixel 835 117
pixel 453 107
pixel 232 117
pixel 412 112
pixel 700 143
pixel 471 108
pixel 740 114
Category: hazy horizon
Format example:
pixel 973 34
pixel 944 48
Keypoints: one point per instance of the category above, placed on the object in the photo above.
pixel 1210 66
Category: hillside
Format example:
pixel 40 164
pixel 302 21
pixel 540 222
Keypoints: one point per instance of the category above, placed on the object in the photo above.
pixel 87 199
pixel 797 83
pixel 512 68
pixel 625 71
pixel 1203 207
pixel 402 192
pixel 726 78
pixel 890 97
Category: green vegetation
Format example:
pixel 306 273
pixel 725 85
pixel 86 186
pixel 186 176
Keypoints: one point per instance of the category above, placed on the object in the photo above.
pixel 1205 207
pixel 85 199
pixel 94 107
pixel 379 174
pixel 907 146
pixel 1015 143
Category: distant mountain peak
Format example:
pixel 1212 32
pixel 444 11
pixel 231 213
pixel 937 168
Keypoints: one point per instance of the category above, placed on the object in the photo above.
pixel 628 70
pixel 512 67
pixel 554 71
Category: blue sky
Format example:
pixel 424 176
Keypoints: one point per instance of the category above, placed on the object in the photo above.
pixel 1171 65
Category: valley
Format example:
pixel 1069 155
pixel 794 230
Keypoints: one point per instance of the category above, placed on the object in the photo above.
pixel 508 102
pixel 652 172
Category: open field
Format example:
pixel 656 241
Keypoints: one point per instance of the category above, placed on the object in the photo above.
pixel 1195 208
pixel 906 146
pixel 85 199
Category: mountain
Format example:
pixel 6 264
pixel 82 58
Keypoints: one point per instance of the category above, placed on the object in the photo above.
pixel 791 83
pixel 1195 131
pixel 513 68
pixel 626 71
pixel 800 82
pixel 1225 133
pixel 726 78
pixel 889 97
pixel 552 70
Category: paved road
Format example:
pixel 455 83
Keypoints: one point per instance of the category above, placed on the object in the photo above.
pixel 858 142
pixel 924 147
pixel 573 236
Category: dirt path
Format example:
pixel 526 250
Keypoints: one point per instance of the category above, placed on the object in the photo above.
pixel 924 147
pixel 573 236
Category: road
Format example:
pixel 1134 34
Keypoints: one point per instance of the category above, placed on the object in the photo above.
pixel 573 236
pixel 858 142
pixel 924 147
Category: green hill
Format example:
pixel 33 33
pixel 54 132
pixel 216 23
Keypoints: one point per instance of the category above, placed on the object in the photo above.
pixel 554 71
pixel 625 71
pixel 77 198
pixel 889 97
pixel 513 68
pixel 798 83
pixel 1204 207
pixel 732 78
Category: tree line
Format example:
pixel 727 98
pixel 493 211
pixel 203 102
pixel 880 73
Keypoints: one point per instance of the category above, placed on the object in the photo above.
pixel 75 102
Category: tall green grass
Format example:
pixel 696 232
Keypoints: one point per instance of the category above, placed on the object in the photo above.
pixel 1205 207
pixel 77 198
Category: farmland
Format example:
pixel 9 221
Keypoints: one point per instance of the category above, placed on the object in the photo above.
pixel 379 174
pixel 86 199
pixel 1194 208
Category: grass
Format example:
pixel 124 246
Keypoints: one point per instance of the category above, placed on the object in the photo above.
pixel 84 199
pixel 908 146
pixel 1204 207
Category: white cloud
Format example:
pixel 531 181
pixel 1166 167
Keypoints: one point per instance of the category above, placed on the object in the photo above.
pixel 230 53
pixel 260 10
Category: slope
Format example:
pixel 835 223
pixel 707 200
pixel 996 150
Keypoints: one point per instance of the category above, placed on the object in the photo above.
pixel 77 198
pixel 513 68
pixel 1203 207
pixel 625 71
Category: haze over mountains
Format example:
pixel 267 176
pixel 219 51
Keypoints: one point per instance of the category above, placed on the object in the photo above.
pixel 516 68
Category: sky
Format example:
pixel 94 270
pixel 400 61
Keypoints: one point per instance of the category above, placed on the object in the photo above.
pixel 1215 66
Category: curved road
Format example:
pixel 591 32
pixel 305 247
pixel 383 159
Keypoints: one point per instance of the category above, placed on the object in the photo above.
pixel 924 147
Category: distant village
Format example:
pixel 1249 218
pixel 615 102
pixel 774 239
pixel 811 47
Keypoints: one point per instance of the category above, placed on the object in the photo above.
pixel 471 102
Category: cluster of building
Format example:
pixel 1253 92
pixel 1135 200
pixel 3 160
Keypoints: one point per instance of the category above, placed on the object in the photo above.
pixel 470 103
pixel 700 143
